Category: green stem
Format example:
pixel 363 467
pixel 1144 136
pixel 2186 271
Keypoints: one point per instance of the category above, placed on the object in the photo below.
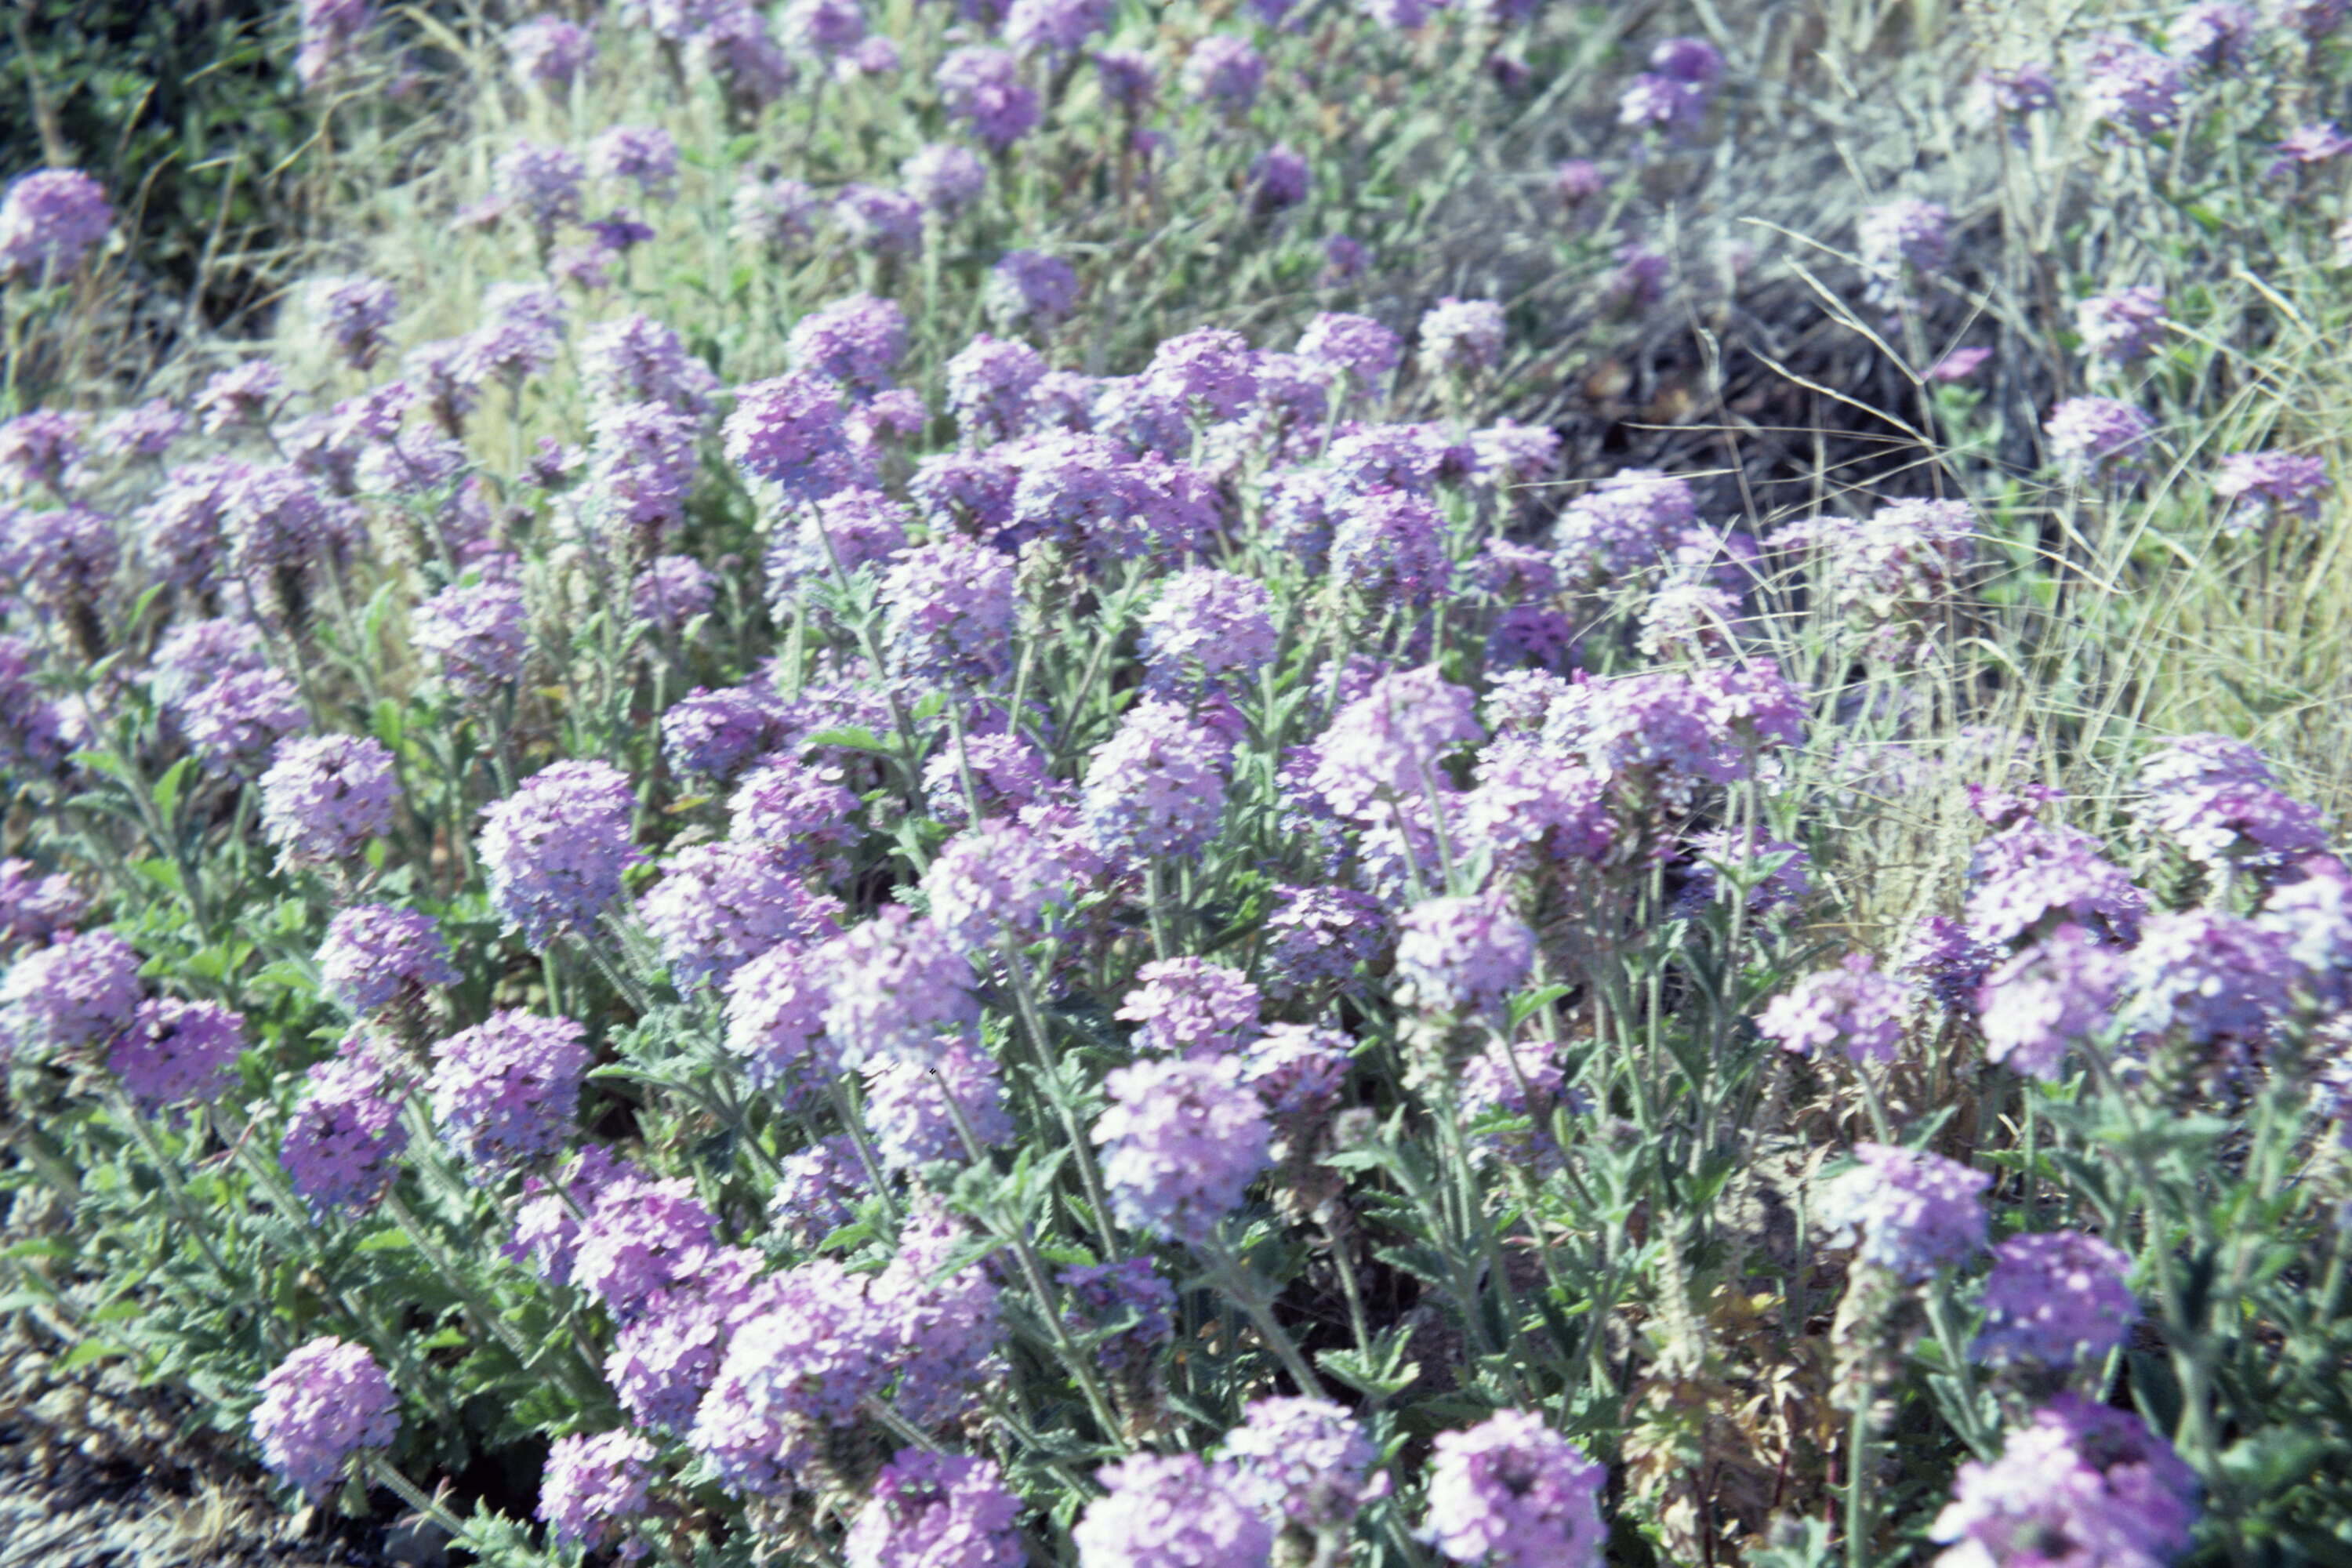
pixel 1228 1272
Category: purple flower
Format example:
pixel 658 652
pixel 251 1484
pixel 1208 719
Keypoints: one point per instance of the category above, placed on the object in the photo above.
pixel 325 796
pixel 635 359
pixel 344 1139
pixel 2082 1484
pixel 355 312
pixel 816 1192
pixel 1028 287
pixel 736 45
pixel 1945 957
pixel 1512 1493
pixel 1674 92
pixel 1625 524
pixel 1461 337
pixel 989 383
pixel 1958 365
pixel 714 733
pixel 937 1510
pixel 1344 260
pixel 556 847
pixel 641 466
pixel 547 1231
pixel 643 1236
pixel 81 990
pixel 1132 417
pixel 1904 1210
pixel 798 811
pixel 375 954
pixel 1577 181
pixel 2314 19
pixel 790 431
pixel 35 907
pixel 1852 1006
pixel 2207 977
pixel 661 1362
pixel 65 558
pixel 543 183
pixel 549 51
pixel 898 414
pixel 592 1484
pixel 907 1107
pixel 246 395
pixel 857 342
pixel 898 990
pixel 1293 397
pixel 1006 772
pixel 944 177
pixel 1316 936
pixel 1385 746
pixel 944 1333
pixel 1900 235
pixel 2252 482
pixel 505 1091
pixel 477 633
pixel 321 1404
pixel 2035 1006
pixel 992 882
pixel 1390 544
pixel 2028 871
pixel 873 56
pixel 671 591
pixel 1305 1462
pixel 1182 1140
pixel 774 213
pixel 795 1370
pixel 775 1016
pixel 1893 573
pixel 822 26
pixel 2089 433
pixel 984 86
pixel 1103 1293
pixel 1210 369
pixel 2214 33
pixel 1155 789
pixel 2058 1299
pixel 1036 26
pixel 49 220
pixel 1172 1510
pixel 1190 1007
pixel 1224 71
pixel 2128 85
pixel 2124 325
pixel 1299 1070
pixel 948 610
pixel 2213 796
pixel 1461 956
pixel 175 1052
pixel 331 30
pixel 850 529
pixel 1130 80
pixel 1508 451
pixel 147 430
pixel 1278 178
pixel 720 905
pixel 1205 628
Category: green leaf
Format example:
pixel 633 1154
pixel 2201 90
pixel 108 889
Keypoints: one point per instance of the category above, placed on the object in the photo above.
pixel 847 740
pixel 90 1353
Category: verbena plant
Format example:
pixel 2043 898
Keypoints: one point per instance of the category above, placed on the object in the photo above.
pixel 773 828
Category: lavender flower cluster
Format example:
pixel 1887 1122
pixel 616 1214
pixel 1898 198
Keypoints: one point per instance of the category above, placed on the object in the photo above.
pixel 914 954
